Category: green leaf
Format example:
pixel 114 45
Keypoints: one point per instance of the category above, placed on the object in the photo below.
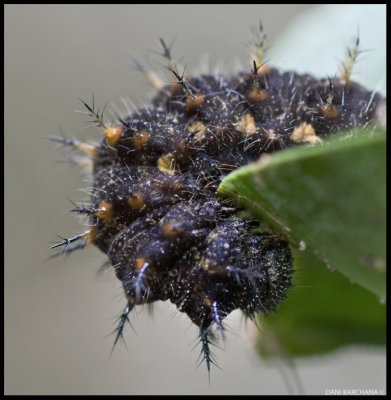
pixel 323 311
pixel 329 199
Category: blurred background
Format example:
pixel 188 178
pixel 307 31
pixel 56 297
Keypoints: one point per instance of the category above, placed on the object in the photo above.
pixel 59 314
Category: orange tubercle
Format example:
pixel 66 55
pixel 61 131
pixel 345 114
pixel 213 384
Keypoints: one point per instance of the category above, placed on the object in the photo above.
pixel 140 138
pixel 330 111
pixel 91 235
pixel 207 302
pixel 194 102
pixel 105 211
pixel 140 262
pixel 171 231
pixel 136 201
pixel 258 95
pixel 113 134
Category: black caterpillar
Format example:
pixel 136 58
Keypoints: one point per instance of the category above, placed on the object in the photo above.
pixel 154 209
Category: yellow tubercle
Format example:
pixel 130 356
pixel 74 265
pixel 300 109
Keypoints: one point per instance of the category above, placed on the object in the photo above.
pixel 246 125
pixel 166 164
pixel 305 133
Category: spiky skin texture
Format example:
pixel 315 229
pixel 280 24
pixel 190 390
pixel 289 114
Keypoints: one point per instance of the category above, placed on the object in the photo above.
pixel 154 208
pixel 169 237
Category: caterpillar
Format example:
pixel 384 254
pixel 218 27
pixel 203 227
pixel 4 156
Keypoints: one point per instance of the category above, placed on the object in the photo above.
pixel 154 207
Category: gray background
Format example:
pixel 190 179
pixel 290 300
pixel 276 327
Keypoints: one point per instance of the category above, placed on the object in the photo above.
pixel 59 313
